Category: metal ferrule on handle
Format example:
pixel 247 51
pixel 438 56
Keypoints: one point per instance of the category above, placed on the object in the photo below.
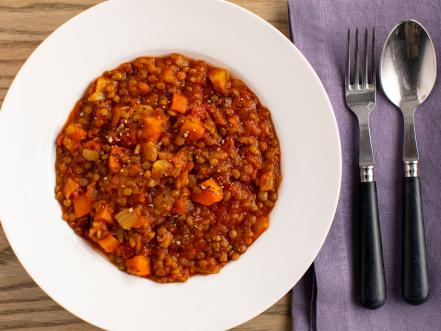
pixel 367 174
pixel 411 169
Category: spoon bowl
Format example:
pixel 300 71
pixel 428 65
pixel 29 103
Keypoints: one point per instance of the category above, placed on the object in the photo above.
pixel 408 64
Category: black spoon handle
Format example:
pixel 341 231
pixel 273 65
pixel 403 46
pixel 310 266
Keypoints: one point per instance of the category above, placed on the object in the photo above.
pixel 415 280
pixel 373 284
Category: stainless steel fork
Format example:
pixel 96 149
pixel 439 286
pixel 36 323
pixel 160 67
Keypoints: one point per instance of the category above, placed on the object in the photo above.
pixel 360 87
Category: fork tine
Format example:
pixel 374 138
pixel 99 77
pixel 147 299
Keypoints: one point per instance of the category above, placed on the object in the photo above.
pixel 365 74
pixel 348 61
pixel 357 64
pixel 373 70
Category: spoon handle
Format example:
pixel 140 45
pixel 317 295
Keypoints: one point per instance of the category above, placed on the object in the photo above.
pixel 373 284
pixel 415 282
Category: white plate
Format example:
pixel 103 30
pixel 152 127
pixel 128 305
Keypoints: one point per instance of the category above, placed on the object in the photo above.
pixel 43 94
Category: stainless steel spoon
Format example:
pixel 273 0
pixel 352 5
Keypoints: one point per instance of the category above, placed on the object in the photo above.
pixel 408 74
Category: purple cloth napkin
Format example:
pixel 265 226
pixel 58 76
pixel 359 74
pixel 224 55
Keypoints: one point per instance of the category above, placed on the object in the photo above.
pixel 319 30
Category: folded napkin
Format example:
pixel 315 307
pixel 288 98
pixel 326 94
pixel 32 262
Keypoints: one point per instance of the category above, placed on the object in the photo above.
pixel 319 29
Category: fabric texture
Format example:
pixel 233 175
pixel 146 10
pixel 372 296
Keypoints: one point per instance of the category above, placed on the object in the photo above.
pixel 319 29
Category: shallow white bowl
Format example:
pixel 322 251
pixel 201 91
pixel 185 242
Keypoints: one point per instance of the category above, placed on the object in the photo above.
pixel 56 75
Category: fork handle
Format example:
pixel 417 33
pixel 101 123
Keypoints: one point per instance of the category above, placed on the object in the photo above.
pixel 415 277
pixel 373 284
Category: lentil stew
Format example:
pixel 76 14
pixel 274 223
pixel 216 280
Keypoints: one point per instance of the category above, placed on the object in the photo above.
pixel 169 166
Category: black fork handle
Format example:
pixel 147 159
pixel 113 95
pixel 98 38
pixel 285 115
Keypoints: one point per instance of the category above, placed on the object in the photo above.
pixel 373 284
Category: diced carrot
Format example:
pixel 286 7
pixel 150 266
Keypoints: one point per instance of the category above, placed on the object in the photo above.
pixel 179 103
pixel 104 214
pixel 220 80
pixel 82 205
pixel 139 265
pixel 192 128
pixel 70 187
pixel 261 225
pixel 154 127
pixel 266 181
pixel 109 243
pixel 114 162
pixel 211 193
